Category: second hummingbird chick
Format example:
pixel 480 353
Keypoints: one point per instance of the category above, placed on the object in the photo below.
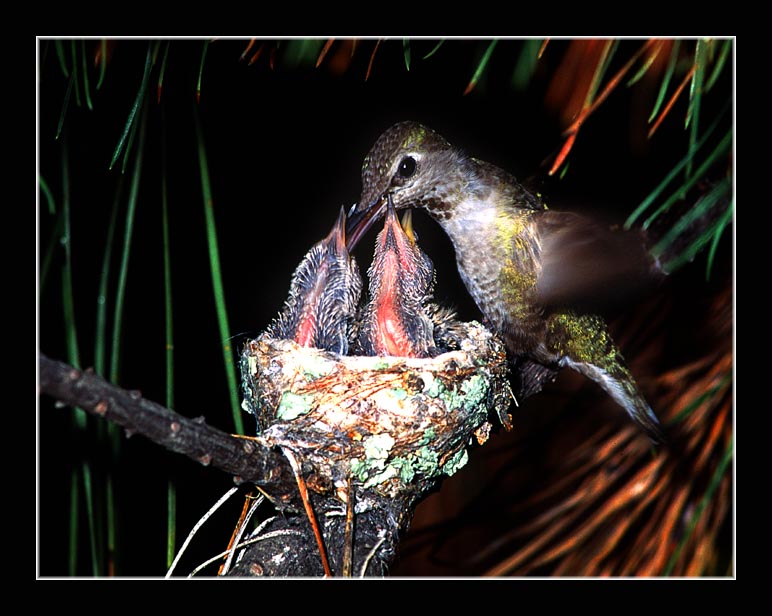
pixel 401 320
pixel 323 298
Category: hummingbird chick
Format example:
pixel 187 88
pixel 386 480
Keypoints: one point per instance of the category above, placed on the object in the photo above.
pixel 400 319
pixel 320 309
pixel 519 260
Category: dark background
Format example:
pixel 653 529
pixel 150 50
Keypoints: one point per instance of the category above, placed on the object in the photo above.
pixel 285 147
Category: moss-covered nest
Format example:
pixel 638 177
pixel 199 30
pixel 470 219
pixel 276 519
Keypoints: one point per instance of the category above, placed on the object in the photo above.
pixel 390 424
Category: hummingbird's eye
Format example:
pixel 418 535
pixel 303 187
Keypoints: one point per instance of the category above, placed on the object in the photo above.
pixel 407 167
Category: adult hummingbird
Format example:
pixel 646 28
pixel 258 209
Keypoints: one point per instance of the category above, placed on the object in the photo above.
pixel 401 318
pixel 522 263
pixel 321 306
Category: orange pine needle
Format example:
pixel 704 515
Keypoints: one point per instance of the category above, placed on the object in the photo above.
pixel 672 101
pixel 573 129
pixel 272 58
pixel 563 153
pixel 246 51
pixel 372 57
pixel 613 82
pixel 542 48
pixel 257 54
pixel 324 51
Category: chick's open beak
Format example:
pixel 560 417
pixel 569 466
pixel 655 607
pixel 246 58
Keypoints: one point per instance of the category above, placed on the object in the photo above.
pixel 337 236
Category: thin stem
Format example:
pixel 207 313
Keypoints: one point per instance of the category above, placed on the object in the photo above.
pixel 171 493
pixel 100 346
pixel 124 267
pixel 219 291
pixel 137 103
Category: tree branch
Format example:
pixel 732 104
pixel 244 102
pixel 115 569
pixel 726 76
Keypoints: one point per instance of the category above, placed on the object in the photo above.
pixel 288 548
pixel 245 460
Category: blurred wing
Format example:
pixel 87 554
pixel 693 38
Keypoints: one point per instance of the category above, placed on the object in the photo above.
pixel 589 266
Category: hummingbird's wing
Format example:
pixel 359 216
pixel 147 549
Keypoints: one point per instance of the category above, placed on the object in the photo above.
pixel 587 265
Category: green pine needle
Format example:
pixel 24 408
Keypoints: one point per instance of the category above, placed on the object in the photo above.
pixel 127 149
pixel 163 70
pixel 720 150
pixel 481 66
pixel 100 337
pixel 62 58
pixel 85 77
pixel 526 64
pixel 73 356
pixel 722 223
pixel 671 64
pixel 124 266
pixel 726 47
pixel 219 292
pixel 406 52
pixel 201 71
pixel 68 302
pixel 654 195
pixel 47 194
pixel 100 352
pixel 134 107
pixel 171 493
pixel 643 70
pixel 695 98
pixel 600 70
pixel 703 206
pixel 53 244
pixel 89 494
pixel 434 49
pixel 65 105
pixel 102 63
pixel 74 50
pixel 168 320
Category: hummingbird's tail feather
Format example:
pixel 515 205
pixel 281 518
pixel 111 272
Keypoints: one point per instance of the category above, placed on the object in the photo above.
pixel 622 388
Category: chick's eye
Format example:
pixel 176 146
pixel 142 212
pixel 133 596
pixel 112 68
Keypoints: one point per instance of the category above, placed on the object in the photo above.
pixel 407 167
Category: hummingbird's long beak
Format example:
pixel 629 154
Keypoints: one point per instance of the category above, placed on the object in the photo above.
pixel 361 218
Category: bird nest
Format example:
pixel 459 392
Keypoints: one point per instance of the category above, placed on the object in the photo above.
pixel 390 424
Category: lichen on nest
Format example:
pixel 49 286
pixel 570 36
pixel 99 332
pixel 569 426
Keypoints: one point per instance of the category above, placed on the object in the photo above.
pixel 389 424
